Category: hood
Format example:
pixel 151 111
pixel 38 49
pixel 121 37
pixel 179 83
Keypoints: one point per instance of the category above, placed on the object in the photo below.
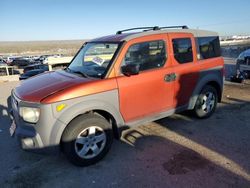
pixel 39 87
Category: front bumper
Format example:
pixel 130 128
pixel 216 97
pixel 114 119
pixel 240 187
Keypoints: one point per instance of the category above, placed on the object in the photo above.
pixel 26 134
pixel 39 135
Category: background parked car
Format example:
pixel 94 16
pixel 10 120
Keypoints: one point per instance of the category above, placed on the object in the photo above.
pixel 31 73
pixel 20 62
pixel 2 62
pixel 243 62
pixel 10 59
pixel 35 66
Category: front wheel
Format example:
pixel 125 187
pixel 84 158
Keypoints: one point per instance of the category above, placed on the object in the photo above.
pixel 87 139
pixel 206 102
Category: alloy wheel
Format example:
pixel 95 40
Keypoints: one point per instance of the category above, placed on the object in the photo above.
pixel 90 142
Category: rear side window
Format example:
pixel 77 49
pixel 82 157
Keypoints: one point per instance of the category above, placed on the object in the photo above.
pixel 208 47
pixel 183 52
pixel 148 55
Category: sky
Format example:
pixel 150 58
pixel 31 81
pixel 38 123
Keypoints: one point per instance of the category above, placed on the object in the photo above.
pixel 27 20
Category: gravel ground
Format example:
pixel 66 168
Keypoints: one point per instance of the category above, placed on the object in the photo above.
pixel 178 151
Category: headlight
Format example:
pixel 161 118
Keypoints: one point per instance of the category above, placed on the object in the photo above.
pixel 30 115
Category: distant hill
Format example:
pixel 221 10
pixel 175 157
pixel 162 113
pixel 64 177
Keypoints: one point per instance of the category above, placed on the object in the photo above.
pixel 67 47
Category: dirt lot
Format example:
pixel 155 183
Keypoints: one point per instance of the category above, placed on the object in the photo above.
pixel 178 151
pixel 67 47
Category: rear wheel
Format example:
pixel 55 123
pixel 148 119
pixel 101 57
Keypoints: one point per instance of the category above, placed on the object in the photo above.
pixel 206 102
pixel 87 139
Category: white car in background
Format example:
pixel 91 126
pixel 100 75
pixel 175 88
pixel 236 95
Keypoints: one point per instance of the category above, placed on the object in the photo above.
pixel 243 62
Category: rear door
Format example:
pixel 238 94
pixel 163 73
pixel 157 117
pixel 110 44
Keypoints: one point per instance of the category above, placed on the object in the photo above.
pixel 185 65
pixel 149 92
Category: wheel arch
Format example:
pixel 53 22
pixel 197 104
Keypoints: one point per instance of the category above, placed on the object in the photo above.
pixel 111 119
pixel 214 80
pixel 108 112
pixel 217 87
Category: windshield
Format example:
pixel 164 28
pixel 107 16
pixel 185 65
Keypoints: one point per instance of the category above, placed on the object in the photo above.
pixel 93 59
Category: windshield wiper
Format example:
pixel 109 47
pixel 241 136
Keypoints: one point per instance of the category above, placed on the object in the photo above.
pixel 81 73
pixel 77 72
pixel 67 68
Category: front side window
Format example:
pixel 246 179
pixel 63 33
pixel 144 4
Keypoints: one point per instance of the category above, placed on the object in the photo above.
pixel 183 52
pixel 241 56
pixel 244 58
pixel 148 55
pixel 93 59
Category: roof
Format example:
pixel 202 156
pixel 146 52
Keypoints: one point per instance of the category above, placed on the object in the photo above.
pixel 113 38
pixel 130 36
pixel 34 65
pixel 245 53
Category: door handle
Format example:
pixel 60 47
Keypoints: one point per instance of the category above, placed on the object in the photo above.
pixel 170 77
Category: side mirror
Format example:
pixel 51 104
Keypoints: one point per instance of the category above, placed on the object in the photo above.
pixel 131 69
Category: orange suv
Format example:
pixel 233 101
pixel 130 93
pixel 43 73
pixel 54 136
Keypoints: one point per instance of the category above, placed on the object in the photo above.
pixel 118 81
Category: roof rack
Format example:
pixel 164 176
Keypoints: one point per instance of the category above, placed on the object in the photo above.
pixel 136 28
pixel 172 27
pixel 152 28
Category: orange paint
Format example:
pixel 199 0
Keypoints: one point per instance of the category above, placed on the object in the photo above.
pixel 139 95
pixel 79 90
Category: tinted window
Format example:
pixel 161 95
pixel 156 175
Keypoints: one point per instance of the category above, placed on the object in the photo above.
pixel 148 55
pixel 46 68
pixel 241 56
pixel 183 50
pixel 246 61
pixel 30 73
pixel 208 47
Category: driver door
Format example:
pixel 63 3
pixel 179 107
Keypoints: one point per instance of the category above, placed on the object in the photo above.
pixel 149 92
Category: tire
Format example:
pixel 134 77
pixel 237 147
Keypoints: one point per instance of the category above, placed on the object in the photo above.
pixel 206 102
pixel 87 139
